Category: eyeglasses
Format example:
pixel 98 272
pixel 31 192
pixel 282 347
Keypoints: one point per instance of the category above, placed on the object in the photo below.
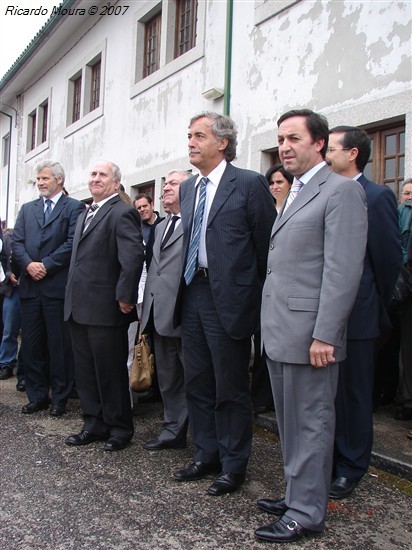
pixel 333 149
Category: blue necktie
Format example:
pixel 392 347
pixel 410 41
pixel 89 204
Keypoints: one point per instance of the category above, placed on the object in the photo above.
pixel 191 263
pixel 48 211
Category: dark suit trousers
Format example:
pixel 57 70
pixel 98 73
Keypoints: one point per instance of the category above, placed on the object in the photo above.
pixel 170 376
pixel 44 339
pixel 217 382
pixel 354 407
pixel 102 381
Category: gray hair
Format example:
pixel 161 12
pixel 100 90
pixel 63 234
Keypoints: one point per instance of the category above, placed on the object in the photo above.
pixel 186 173
pixel 409 180
pixel 117 175
pixel 222 127
pixel 55 167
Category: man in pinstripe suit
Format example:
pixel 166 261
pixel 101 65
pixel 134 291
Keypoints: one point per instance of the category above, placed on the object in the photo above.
pixel 227 214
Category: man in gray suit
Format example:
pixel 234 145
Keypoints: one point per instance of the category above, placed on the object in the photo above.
pixel 315 263
pixel 159 301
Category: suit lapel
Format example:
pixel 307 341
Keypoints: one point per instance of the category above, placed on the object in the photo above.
pixel 309 191
pixel 57 209
pixel 101 212
pixel 178 232
pixel 225 188
pixel 38 211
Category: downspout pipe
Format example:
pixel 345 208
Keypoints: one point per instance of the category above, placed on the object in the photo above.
pixel 228 61
pixel 8 167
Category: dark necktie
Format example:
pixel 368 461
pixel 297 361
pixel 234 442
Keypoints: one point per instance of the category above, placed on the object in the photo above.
pixel 191 263
pixel 169 232
pixel 48 211
pixel 90 215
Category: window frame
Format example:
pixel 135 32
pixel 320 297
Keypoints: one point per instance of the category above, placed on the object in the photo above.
pixel 169 64
pixel 85 68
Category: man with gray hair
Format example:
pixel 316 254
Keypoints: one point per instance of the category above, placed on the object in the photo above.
pixel 159 300
pixel 42 245
pixel 227 214
pixel 100 303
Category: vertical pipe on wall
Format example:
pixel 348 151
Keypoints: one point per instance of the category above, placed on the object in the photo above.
pixel 228 61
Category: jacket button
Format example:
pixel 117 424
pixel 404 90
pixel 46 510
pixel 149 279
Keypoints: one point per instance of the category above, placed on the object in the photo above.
pixel 272 246
pixel 158 273
pixel 269 271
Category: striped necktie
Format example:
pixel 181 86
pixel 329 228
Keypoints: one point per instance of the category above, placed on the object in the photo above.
pixel 293 193
pixel 90 215
pixel 191 263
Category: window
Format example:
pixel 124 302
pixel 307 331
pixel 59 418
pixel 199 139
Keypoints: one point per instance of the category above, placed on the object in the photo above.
pixel 77 94
pixel 95 86
pixel 152 45
pixel 85 91
pixel 44 112
pixel 32 130
pixel 169 36
pixel 387 163
pixel 186 15
pixel 6 150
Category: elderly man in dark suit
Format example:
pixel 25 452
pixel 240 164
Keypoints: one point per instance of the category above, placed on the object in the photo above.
pixel 348 153
pixel 42 245
pixel 101 296
pixel 162 285
pixel 315 263
pixel 227 214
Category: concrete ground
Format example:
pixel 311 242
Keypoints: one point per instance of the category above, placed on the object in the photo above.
pixel 58 497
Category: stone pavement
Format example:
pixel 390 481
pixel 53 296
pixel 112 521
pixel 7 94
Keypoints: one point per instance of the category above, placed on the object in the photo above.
pixel 56 497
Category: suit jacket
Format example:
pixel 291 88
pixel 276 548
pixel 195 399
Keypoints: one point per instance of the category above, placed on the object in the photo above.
pixel 105 266
pixel 162 282
pixel 315 264
pixel 382 263
pixel 50 243
pixel 237 237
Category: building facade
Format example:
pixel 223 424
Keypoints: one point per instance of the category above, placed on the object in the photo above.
pixel 121 81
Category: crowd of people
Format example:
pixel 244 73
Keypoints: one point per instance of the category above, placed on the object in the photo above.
pixel 302 262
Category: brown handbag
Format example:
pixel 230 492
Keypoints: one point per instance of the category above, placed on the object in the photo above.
pixel 142 371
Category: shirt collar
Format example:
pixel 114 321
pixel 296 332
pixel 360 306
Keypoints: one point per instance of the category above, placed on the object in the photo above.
pixel 215 175
pixel 103 201
pixel 53 199
pixel 314 170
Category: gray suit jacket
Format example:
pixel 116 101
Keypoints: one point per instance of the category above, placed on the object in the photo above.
pixel 162 281
pixel 315 263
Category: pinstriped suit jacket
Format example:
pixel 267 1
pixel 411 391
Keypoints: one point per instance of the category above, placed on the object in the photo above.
pixel 237 237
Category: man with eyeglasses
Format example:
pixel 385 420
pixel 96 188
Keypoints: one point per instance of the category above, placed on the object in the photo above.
pixel 348 153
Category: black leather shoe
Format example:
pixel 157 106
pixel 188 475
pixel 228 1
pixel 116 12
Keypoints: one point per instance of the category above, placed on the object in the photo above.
pixel 57 410
pixel 282 531
pixel 83 438
pixel 197 470
pixel 276 507
pixel 6 372
pixel 21 386
pixel 404 414
pixel 157 445
pixel 342 487
pixel 115 443
pixel 35 406
pixel 226 483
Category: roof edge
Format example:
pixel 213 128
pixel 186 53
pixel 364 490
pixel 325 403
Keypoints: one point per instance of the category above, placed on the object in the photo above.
pixel 35 43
